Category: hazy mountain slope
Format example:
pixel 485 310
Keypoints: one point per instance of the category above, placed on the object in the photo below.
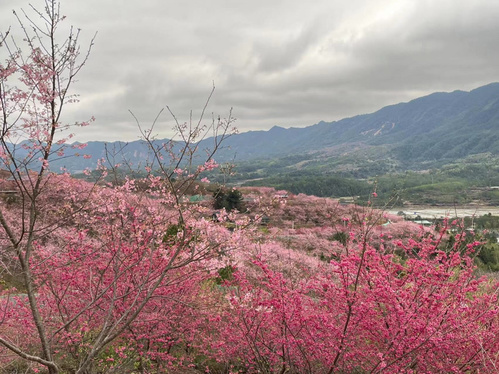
pixel 437 127
pixel 441 125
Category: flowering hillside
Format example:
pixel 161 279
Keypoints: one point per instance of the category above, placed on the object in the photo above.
pixel 319 287
pixel 137 275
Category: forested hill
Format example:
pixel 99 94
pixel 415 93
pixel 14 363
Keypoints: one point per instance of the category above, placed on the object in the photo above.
pixel 434 127
pixel 437 128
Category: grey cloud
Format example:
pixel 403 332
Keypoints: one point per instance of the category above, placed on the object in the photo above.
pixel 282 54
pixel 283 62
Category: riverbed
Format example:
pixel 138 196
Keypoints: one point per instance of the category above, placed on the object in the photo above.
pixel 430 212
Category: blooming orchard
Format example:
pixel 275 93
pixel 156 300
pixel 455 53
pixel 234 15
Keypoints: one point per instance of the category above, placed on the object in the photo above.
pixel 126 275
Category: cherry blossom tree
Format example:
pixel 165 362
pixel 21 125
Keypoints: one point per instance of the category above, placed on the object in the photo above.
pixel 91 262
pixel 34 89
pixel 367 311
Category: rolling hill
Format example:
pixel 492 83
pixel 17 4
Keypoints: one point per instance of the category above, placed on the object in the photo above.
pixel 430 131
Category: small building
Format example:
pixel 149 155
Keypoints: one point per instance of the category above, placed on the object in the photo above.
pixel 198 198
pixel 423 222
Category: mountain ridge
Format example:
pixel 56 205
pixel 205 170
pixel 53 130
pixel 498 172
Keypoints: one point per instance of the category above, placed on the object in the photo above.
pixel 433 128
pixel 430 117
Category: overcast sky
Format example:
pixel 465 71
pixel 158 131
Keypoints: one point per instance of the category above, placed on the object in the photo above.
pixel 275 62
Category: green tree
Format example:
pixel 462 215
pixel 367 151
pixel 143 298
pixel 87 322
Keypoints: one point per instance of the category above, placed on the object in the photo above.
pixel 228 198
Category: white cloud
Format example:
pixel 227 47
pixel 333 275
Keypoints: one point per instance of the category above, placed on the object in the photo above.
pixel 290 63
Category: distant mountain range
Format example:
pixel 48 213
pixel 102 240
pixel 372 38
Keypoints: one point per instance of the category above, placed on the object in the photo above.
pixel 431 130
pixel 434 127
